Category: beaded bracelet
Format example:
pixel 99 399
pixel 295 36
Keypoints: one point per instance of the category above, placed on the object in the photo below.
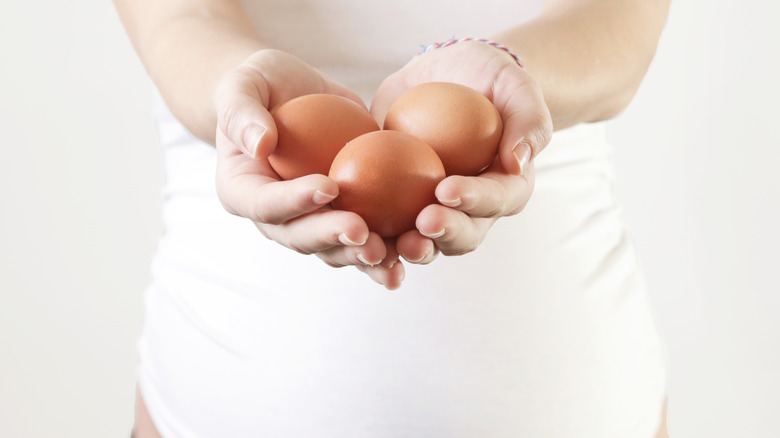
pixel 482 40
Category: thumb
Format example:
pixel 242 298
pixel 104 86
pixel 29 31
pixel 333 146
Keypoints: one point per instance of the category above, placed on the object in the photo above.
pixel 241 103
pixel 527 124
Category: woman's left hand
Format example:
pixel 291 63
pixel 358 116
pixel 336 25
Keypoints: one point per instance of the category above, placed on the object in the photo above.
pixel 469 206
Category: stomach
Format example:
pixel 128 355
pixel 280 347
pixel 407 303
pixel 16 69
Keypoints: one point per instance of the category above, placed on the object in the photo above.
pixel 545 330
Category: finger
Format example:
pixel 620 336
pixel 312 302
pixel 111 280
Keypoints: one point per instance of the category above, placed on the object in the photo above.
pixel 241 101
pixel 340 90
pixel 453 231
pixel 389 90
pixel 319 231
pixel 371 253
pixel 391 257
pixel 390 278
pixel 527 122
pixel 416 248
pixel 492 194
pixel 246 189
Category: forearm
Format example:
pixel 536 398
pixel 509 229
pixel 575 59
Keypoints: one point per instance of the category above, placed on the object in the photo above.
pixel 186 47
pixel 589 56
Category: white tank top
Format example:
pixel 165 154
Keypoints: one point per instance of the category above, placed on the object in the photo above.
pixel 362 42
pixel 544 331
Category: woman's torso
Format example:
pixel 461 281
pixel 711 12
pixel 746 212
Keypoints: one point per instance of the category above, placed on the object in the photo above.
pixel 543 331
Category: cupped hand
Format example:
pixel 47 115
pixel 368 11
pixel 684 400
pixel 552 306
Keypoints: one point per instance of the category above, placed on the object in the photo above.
pixel 469 206
pixel 293 213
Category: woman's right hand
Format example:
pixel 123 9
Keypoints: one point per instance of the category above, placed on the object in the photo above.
pixel 294 213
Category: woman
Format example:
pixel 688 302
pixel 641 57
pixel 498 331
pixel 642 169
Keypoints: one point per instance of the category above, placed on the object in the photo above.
pixel 544 330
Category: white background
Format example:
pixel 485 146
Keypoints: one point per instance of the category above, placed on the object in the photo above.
pixel 697 155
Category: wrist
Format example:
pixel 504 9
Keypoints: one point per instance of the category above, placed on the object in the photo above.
pixel 489 42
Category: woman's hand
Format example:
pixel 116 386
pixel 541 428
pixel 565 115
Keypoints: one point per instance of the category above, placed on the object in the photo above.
pixel 470 205
pixel 293 213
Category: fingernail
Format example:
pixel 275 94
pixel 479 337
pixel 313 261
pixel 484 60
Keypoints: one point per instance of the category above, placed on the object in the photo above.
pixel 522 152
pixel 349 242
pixel 388 263
pixel 366 262
pixel 252 136
pixel 418 260
pixel 321 198
pixel 451 202
pixel 434 235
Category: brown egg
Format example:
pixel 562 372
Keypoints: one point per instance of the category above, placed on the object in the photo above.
pixel 386 177
pixel 312 130
pixel 459 123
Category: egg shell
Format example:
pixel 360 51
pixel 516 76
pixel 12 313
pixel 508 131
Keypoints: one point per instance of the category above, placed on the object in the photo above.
pixel 459 123
pixel 312 130
pixel 386 177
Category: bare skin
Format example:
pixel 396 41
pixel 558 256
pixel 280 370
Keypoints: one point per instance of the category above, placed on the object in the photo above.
pixel 584 61
pixel 584 58
pixel 144 426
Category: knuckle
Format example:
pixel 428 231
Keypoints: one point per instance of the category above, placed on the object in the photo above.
pixel 519 206
pixel 330 263
pixel 470 247
pixel 262 216
pixel 298 248
pixel 262 229
pixel 226 204
pixel 302 202
pixel 542 131
pixel 458 251
pixel 266 55
pixel 544 134
pixel 223 195
pixel 227 100
pixel 496 209
pixel 516 210
pixel 459 245
pixel 496 203
pixel 229 120
pixel 262 212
